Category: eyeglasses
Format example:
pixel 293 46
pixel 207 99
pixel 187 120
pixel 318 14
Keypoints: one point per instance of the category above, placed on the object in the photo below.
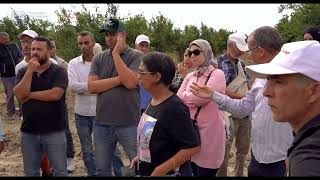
pixel 196 52
pixel 27 42
pixel 141 72
pixel 252 49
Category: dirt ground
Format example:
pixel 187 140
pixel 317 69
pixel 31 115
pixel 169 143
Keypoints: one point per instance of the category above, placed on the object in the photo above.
pixel 11 158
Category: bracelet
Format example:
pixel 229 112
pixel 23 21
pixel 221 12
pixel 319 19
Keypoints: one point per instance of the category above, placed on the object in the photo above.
pixel 174 164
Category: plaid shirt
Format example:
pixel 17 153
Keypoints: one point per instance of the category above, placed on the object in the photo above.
pixel 177 81
pixel 230 70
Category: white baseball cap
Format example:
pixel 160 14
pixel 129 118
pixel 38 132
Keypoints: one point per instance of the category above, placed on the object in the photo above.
pixel 296 57
pixel 142 38
pixel 28 32
pixel 240 40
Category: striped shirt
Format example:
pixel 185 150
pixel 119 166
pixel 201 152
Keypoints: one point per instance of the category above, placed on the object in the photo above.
pixel 270 139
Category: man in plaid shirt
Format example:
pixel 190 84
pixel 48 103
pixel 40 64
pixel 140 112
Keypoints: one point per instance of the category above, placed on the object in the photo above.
pixel 239 128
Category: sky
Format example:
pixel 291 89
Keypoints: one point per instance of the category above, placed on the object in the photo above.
pixel 233 17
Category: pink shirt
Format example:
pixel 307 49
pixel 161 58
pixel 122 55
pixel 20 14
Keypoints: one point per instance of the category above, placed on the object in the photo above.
pixel 210 119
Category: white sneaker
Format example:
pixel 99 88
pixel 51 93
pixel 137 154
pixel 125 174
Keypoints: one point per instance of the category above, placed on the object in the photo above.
pixel 70 164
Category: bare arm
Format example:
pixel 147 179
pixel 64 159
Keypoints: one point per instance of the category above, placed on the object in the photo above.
pixel 96 85
pixel 175 161
pixel 53 94
pixel 22 89
pixel 127 77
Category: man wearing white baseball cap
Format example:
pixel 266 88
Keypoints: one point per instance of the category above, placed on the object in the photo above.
pixel 237 82
pixel 143 43
pixel 293 92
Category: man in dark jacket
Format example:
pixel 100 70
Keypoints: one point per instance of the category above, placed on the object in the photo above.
pixel 10 56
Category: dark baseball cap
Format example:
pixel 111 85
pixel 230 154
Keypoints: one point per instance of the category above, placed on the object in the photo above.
pixel 113 25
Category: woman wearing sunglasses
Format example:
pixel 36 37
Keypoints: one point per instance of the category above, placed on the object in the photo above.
pixel 166 137
pixel 210 118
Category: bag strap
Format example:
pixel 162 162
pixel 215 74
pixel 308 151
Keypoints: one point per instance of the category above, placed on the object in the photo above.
pixel 199 108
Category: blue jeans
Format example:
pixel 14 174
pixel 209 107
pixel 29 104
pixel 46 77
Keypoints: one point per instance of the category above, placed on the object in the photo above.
pixel 105 140
pixel 54 144
pixel 117 161
pixel 84 126
pixel 70 146
pixel 8 85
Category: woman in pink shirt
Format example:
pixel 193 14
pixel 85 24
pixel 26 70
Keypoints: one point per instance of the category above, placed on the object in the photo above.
pixel 210 118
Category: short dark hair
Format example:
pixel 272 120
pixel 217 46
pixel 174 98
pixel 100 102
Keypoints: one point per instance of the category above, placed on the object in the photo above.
pixel 161 63
pixel 44 39
pixel 268 38
pixel 53 43
pixel 86 33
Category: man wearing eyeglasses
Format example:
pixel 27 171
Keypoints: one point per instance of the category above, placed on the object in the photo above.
pixel 113 77
pixel 237 86
pixel 10 56
pixel 270 140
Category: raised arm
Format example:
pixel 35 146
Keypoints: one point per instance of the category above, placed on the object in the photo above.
pixel 216 83
pixel 23 81
pixel 126 75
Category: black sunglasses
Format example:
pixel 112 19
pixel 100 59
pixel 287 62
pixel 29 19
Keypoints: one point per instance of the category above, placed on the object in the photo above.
pixel 196 52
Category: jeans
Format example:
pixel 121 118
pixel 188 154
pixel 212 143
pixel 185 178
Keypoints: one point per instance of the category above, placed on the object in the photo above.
pixel 117 161
pixel 8 84
pixel 240 132
pixel 105 140
pixel 54 144
pixel 200 171
pixel 70 146
pixel 271 169
pixel 84 126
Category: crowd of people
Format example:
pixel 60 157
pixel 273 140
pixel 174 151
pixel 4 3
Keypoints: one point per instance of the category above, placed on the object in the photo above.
pixel 170 119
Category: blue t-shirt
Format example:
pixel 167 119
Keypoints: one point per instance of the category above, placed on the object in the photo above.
pixel 145 98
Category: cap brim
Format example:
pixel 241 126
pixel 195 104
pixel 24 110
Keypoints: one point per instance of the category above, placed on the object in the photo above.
pixel 264 70
pixel 243 48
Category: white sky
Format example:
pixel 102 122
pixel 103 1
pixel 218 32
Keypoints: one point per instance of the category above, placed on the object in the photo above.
pixel 233 17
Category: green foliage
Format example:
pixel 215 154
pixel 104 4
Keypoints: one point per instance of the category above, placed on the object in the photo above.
pixel 163 35
pixel 303 15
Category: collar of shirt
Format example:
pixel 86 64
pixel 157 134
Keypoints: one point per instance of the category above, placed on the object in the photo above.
pixel 314 124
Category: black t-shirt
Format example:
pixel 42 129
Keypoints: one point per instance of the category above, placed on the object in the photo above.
pixel 172 131
pixel 44 116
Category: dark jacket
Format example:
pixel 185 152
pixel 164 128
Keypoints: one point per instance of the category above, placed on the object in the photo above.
pixel 304 154
pixel 10 56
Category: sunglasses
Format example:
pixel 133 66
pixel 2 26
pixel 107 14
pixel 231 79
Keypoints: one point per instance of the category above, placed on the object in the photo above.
pixel 196 52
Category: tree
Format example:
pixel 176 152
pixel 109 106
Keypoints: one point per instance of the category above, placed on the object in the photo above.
pixel 303 15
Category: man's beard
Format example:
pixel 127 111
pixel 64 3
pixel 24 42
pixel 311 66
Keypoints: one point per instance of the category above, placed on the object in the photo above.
pixel 42 61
